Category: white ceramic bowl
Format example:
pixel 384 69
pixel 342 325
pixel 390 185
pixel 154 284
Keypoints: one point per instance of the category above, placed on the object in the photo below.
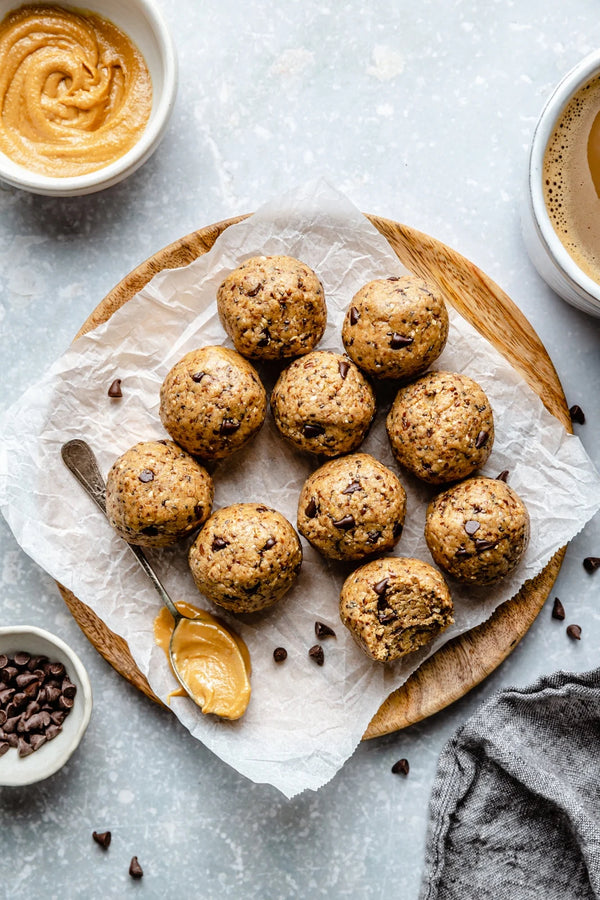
pixel 50 757
pixel 547 253
pixel 143 22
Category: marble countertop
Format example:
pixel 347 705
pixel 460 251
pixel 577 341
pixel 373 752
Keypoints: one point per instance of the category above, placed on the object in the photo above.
pixel 418 112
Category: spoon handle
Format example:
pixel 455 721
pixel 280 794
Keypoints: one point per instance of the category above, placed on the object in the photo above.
pixel 80 460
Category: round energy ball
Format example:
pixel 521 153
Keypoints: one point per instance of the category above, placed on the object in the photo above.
pixel 478 530
pixel 212 402
pixel 246 557
pixel 352 507
pixel 441 427
pixel 272 307
pixel 322 403
pixel 395 605
pixel 157 494
pixel 395 327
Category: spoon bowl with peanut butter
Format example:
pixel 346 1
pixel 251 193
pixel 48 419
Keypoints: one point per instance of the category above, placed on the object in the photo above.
pixel 211 663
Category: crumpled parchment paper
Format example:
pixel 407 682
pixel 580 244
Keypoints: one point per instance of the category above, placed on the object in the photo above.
pixel 303 721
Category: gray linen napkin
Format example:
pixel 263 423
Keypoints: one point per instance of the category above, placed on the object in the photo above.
pixel 515 807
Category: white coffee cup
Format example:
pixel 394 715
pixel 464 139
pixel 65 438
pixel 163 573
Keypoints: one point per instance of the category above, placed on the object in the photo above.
pixel 556 266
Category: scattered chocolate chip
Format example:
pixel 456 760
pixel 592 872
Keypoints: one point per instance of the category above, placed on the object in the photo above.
pixel 322 630
pixel 503 476
pixel 311 431
pixel 265 339
pixel 344 367
pixel 311 508
pixel 279 654
pixel 401 767
pixel 471 526
pixel 228 426
pixel 219 544
pixel 135 870
pixel 397 341
pixel 114 390
pixel 482 439
pixel 354 315
pixel 591 563
pixel 481 546
pixel 146 475
pixel 102 838
pixel 574 632
pixel 198 376
pixel 270 543
pixel 558 610
pixel 577 414
pixel 397 530
pixel 381 587
pixel 345 523
pixel 254 291
pixel 393 278
pixel 352 488
pixel 316 653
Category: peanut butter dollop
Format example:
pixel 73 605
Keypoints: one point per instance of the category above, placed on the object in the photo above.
pixel 75 92
pixel 214 662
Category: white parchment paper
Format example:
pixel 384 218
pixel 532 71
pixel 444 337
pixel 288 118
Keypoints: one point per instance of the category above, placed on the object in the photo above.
pixel 303 721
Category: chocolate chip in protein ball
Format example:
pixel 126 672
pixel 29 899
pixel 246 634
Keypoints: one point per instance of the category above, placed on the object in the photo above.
pixel 322 630
pixel 482 439
pixel 279 654
pixel 228 426
pixel 397 341
pixel 270 543
pixel 345 523
pixel 198 376
pixel 503 476
pixel 481 545
pixel 354 315
pixel 102 837
pixel 591 563
pixel 558 610
pixel 352 488
pixel 577 414
pixel 146 476
pixel 311 509
pixel 397 529
pixel 401 767
pixel 344 367
pixel 311 431
pixel 381 587
pixel 471 527
pixel 316 654
pixel 114 390
pixel 574 632
pixel 135 870
pixel 219 544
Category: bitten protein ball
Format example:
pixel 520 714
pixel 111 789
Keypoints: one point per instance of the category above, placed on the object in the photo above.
pixel 246 557
pixel 157 494
pixel 352 507
pixel 212 402
pixel 441 427
pixel 395 605
pixel 395 327
pixel 478 530
pixel 272 307
pixel 322 403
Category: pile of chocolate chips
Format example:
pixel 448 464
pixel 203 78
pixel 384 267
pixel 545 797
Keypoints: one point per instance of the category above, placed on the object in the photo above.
pixel 36 696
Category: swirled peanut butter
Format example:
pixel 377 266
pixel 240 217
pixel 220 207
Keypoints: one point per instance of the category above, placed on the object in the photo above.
pixel 75 92
pixel 213 662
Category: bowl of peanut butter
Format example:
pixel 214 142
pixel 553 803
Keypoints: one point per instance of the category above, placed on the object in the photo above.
pixel 85 94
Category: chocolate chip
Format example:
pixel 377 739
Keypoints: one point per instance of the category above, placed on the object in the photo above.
pixel 311 431
pixel 322 630
pixel 135 870
pixel 385 616
pixel 198 511
pixel 354 315
pixel 3 660
pixel 381 587
pixel 219 543
pixel 577 414
pixel 146 475
pixel 150 530
pixel 316 653
pixel 471 526
pixel 4 747
pixel 373 537
pixel 270 543
pixel 68 688
pixel 401 767
pixel 36 741
pixel 574 632
pixel 52 731
pixel 591 563
pixel 3 717
pixel 344 367
pixel 558 610
pixel 393 278
pixel 352 488
pixel 397 530
pixel 279 654
pixel 102 838
pixel 228 426
pixel 482 439
pixel 56 669
pixel 24 748
pixel 254 291
pixel 311 509
pixel 21 659
pixel 25 678
pixel 345 523
pixel 198 376
pixel 114 390
pixel 481 546
pixel 397 341
pixel 503 476
pixel 265 339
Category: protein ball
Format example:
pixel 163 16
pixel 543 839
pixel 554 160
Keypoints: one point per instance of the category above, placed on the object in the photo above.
pixel 478 530
pixel 156 494
pixel 352 507
pixel 441 427
pixel 395 605
pixel 212 402
pixel 272 307
pixel 246 557
pixel 395 327
pixel 322 403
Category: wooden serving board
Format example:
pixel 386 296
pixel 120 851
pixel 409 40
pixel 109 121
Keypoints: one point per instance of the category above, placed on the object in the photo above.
pixel 466 660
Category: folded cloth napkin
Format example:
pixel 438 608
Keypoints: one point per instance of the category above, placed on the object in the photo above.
pixel 515 807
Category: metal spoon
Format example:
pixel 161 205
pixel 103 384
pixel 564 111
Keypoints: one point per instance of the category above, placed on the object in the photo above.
pixel 80 460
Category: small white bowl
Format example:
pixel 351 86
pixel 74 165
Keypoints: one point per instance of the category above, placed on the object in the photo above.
pixel 142 21
pixel 50 757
